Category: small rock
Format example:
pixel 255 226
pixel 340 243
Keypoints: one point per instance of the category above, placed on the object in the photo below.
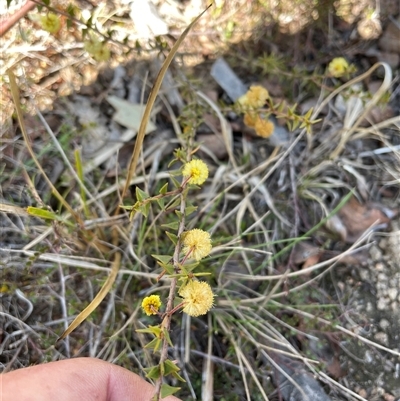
pixel 364 275
pixel 379 391
pixel 376 253
pixel 382 277
pixel 389 397
pixel 392 293
pixel 384 324
pixel 382 304
pixel 382 338
pixel 368 357
pixel 363 393
pixel 379 267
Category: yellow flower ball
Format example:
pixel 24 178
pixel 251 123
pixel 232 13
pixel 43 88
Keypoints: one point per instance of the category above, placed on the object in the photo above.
pixel 198 298
pixel 255 97
pixel 151 304
pixel 264 128
pixel 250 119
pixel 338 67
pixel 197 170
pixel 196 243
pixel 50 22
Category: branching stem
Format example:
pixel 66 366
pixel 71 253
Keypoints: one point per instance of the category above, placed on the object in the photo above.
pixel 170 303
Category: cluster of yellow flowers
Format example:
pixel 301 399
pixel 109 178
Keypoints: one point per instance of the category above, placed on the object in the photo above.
pixel 252 101
pixel 97 49
pixel 338 67
pixel 197 296
pixel 50 22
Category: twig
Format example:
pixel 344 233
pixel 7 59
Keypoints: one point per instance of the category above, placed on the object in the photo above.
pixel 8 23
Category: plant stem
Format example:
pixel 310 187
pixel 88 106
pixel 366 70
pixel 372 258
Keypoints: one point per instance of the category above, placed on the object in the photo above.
pixel 170 304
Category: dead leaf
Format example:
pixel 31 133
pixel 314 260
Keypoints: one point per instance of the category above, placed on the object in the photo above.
pixel 311 261
pixel 303 251
pixel 357 218
pixel 129 114
pixel 389 41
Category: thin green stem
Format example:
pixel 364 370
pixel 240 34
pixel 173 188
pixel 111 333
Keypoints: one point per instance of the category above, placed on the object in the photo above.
pixel 170 303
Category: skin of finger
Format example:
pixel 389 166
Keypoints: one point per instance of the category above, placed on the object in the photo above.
pixel 86 379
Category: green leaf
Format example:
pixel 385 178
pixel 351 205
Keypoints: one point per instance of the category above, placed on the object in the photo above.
pixel 156 330
pixel 167 390
pixel 191 266
pixel 140 195
pixel 307 116
pixel 71 10
pixel 79 171
pixel 153 373
pixel 155 344
pixel 126 207
pixel 170 367
pixel 164 259
pixel 43 213
pixel 174 204
pixel 171 226
pixel 176 183
pixel 190 209
pixel 178 377
pixel 167 337
pixel 164 189
pixel 201 274
pixel 144 209
pixel 161 203
pixel 179 214
pixel 172 237
pixel 169 268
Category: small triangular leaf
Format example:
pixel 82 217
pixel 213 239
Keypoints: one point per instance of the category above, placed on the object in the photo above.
pixel 171 226
pixel 164 189
pixel 164 259
pixel 172 237
pixel 153 373
pixel 167 390
pixel 140 195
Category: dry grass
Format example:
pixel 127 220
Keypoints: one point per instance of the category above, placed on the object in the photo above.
pixel 258 204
